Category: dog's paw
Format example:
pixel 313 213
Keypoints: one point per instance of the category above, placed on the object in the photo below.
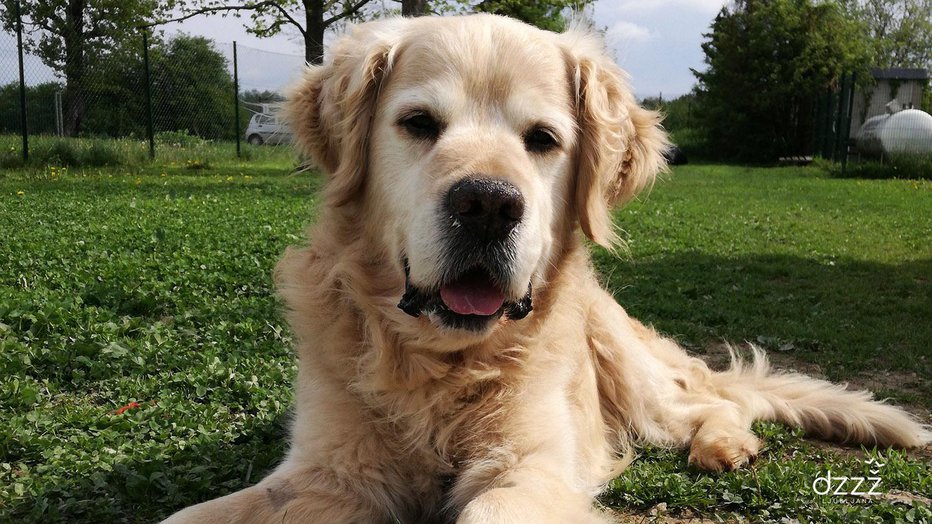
pixel 722 450
pixel 516 506
pixel 498 505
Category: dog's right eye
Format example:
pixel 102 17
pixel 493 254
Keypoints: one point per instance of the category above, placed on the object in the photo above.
pixel 421 125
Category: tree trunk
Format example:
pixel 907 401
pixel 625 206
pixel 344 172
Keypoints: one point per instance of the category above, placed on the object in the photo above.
pixel 413 7
pixel 73 38
pixel 314 31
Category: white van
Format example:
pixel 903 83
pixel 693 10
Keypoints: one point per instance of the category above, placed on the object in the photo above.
pixel 266 128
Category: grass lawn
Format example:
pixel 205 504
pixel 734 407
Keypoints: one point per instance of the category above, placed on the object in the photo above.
pixel 146 367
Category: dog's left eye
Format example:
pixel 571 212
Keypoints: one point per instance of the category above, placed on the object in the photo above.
pixel 540 140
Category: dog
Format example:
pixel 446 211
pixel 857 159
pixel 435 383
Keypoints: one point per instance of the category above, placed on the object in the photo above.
pixel 458 360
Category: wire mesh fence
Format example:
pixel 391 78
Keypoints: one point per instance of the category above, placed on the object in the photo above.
pixel 149 89
pixel 879 121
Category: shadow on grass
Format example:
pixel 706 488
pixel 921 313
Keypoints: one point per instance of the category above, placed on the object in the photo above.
pixel 848 316
pixel 148 490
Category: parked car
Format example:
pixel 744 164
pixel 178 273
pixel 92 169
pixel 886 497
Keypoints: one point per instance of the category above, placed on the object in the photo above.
pixel 266 128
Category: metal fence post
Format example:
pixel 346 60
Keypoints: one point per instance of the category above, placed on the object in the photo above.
pixel 22 83
pixel 149 127
pixel 836 144
pixel 236 100
pixel 846 131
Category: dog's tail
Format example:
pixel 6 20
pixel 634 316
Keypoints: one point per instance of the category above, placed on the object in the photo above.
pixel 822 409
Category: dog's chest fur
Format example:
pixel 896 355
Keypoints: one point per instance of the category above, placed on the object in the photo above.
pixel 441 403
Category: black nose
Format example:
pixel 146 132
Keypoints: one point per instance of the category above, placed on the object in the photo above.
pixel 486 206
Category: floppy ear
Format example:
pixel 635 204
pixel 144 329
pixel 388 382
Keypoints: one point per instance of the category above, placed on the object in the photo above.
pixel 330 110
pixel 620 144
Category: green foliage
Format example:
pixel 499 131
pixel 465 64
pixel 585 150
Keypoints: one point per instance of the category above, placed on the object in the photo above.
pixel 768 62
pixel 311 18
pixel 115 90
pixel 261 97
pixel 67 35
pixel 191 85
pixel 694 142
pixel 150 289
pixel 193 88
pixel 178 139
pixel 677 113
pixel 72 152
pixel 900 31
pixel 545 14
pixel 897 166
pixel 175 149
pixel 40 102
pixel 53 28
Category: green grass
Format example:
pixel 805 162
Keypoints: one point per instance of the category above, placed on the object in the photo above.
pixel 152 284
pixel 838 271
pixel 172 149
pixel 901 166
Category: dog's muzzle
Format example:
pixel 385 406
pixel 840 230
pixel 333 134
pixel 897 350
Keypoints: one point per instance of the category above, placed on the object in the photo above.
pixel 416 301
pixel 480 220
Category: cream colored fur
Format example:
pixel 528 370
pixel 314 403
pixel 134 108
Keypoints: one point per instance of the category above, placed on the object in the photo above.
pixel 399 419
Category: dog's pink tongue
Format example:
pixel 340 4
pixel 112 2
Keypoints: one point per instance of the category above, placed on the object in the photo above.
pixel 472 296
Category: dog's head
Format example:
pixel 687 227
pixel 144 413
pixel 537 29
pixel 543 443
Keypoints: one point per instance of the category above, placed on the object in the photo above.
pixel 472 147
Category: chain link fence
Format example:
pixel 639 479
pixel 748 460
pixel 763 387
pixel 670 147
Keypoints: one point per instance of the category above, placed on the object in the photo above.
pixel 150 92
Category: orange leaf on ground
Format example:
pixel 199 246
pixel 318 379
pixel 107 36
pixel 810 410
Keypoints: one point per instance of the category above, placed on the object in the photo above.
pixel 131 405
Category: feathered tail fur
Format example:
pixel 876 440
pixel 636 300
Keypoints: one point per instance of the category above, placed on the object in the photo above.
pixel 826 410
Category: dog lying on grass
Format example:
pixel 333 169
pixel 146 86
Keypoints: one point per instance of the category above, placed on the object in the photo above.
pixel 458 360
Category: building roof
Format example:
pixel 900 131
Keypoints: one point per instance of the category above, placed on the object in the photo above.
pixel 899 73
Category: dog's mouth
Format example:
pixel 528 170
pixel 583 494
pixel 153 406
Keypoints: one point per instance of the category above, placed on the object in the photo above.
pixel 471 300
pixel 473 293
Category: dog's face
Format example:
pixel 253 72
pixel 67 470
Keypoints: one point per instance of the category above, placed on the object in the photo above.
pixel 473 146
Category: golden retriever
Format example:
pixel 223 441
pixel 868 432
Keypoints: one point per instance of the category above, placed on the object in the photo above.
pixel 458 360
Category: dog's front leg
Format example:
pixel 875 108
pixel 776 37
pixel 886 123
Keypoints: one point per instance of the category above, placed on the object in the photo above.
pixel 304 495
pixel 549 459
pixel 527 494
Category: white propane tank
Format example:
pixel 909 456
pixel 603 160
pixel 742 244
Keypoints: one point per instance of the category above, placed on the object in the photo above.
pixel 906 132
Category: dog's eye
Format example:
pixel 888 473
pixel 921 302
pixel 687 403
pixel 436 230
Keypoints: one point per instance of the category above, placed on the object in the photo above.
pixel 421 125
pixel 540 140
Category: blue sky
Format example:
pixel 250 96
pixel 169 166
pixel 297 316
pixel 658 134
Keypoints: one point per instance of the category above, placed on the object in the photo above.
pixel 656 41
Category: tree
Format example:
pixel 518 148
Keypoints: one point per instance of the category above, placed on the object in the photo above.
pixel 115 91
pixel 255 96
pixel 677 113
pixel 41 113
pixel 768 62
pixel 545 14
pixel 64 33
pixel 413 7
pixel 192 88
pixel 312 18
pixel 900 30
